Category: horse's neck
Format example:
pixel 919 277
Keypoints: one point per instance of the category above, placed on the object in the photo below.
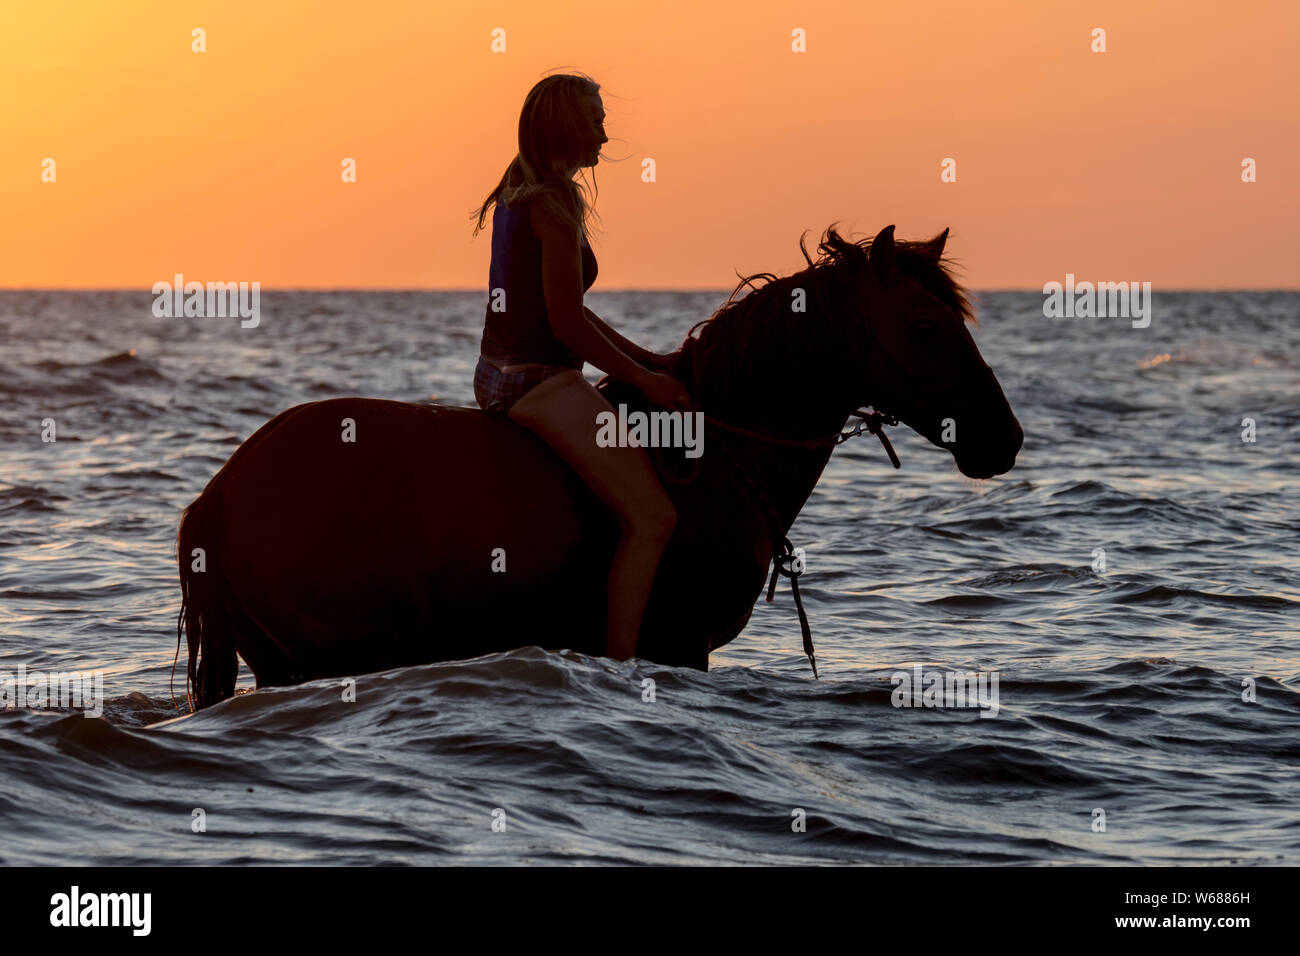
pixel 788 411
pixel 788 476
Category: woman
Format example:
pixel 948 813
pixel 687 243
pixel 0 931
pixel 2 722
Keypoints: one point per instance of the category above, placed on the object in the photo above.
pixel 538 333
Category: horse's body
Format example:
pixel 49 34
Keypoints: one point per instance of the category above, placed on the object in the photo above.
pixel 443 533
pixel 354 557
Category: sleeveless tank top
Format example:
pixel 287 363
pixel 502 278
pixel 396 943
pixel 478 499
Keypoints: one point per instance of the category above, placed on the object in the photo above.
pixel 521 333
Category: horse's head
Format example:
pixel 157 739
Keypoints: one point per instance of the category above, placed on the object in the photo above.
pixel 922 364
pixel 880 323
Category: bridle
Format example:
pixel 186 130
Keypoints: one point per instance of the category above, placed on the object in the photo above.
pixel 783 553
pixel 873 422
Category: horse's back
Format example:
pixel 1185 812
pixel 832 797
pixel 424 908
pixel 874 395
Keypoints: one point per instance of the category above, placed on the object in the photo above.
pixel 405 531
pixel 416 459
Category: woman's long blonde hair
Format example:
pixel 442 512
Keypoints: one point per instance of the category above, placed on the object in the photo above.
pixel 552 128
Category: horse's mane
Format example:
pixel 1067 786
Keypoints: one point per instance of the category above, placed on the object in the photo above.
pixel 749 332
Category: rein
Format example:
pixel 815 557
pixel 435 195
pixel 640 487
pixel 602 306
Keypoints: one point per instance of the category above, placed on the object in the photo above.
pixel 873 422
pixel 784 560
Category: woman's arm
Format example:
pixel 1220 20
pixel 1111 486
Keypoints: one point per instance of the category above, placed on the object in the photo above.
pixel 562 290
pixel 651 360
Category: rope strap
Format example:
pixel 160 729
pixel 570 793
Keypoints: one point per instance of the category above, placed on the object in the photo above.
pixel 875 423
pixel 783 556
pixel 783 563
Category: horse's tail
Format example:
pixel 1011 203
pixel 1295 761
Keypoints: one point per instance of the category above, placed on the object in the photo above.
pixel 205 603
pixel 208 607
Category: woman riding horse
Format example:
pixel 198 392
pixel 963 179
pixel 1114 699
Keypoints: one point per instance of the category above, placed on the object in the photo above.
pixel 537 334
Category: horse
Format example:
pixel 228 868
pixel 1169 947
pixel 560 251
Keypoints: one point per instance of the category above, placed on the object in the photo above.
pixel 444 533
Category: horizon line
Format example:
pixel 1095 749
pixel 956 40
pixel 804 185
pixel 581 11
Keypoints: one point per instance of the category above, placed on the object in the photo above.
pixel 725 291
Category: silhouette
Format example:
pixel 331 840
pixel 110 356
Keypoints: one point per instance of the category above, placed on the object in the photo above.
pixel 537 334
pixel 326 558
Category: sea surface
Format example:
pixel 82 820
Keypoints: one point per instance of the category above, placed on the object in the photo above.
pixel 1148 709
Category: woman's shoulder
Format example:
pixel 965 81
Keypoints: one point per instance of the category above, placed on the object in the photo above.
pixel 526 214
pixel 548 225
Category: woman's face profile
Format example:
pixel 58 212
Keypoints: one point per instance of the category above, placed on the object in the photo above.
pixel 595 111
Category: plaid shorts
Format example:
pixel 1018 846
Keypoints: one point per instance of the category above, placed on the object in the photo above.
pixel 497 390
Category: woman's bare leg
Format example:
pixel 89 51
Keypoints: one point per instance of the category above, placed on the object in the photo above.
pixel 562 411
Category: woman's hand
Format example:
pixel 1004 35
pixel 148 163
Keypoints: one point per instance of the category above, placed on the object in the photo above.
pixel 664 391
pixel 660 363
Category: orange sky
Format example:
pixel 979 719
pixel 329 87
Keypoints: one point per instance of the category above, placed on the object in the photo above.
pixel 225 165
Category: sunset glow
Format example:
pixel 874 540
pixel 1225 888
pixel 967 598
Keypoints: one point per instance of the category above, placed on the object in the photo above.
pixel 226 164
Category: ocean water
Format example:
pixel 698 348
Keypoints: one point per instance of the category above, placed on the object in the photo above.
pixel 1120 688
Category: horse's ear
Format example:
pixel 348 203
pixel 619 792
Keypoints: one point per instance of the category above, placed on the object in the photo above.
pixel 882 253
pixel 934 248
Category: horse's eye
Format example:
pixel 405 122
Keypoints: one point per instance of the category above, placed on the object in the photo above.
pixel 925 330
